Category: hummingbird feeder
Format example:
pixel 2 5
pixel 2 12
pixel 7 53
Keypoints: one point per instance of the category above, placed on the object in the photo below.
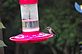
pixel 30 24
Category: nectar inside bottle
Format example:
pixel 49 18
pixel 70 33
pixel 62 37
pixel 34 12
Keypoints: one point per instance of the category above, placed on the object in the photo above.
pixel 29 15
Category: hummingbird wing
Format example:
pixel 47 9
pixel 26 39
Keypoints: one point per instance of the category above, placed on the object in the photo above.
pixel 54 32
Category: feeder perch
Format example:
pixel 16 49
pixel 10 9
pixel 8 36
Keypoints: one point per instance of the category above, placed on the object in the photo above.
pixel 30 24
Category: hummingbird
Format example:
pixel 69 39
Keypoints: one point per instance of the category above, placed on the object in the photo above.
pixel 50 30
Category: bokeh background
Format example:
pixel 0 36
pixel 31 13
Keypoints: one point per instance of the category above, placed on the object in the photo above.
pixel 59 14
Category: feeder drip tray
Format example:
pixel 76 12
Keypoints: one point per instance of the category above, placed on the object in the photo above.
pixel 31 37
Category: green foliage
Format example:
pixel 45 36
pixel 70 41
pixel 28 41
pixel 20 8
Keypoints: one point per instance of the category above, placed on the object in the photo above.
pixel 1 25
pixel 64 20
pixel 2 44
pixel 10 17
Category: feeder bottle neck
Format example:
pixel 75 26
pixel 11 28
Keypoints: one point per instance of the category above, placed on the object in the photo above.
pixel 28 1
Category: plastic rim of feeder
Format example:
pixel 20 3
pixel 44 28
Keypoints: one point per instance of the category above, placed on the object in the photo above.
pixel 31 37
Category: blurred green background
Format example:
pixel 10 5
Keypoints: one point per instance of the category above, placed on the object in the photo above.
pixel 59 14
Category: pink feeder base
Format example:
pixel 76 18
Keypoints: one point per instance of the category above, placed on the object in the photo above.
pixel 31 37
